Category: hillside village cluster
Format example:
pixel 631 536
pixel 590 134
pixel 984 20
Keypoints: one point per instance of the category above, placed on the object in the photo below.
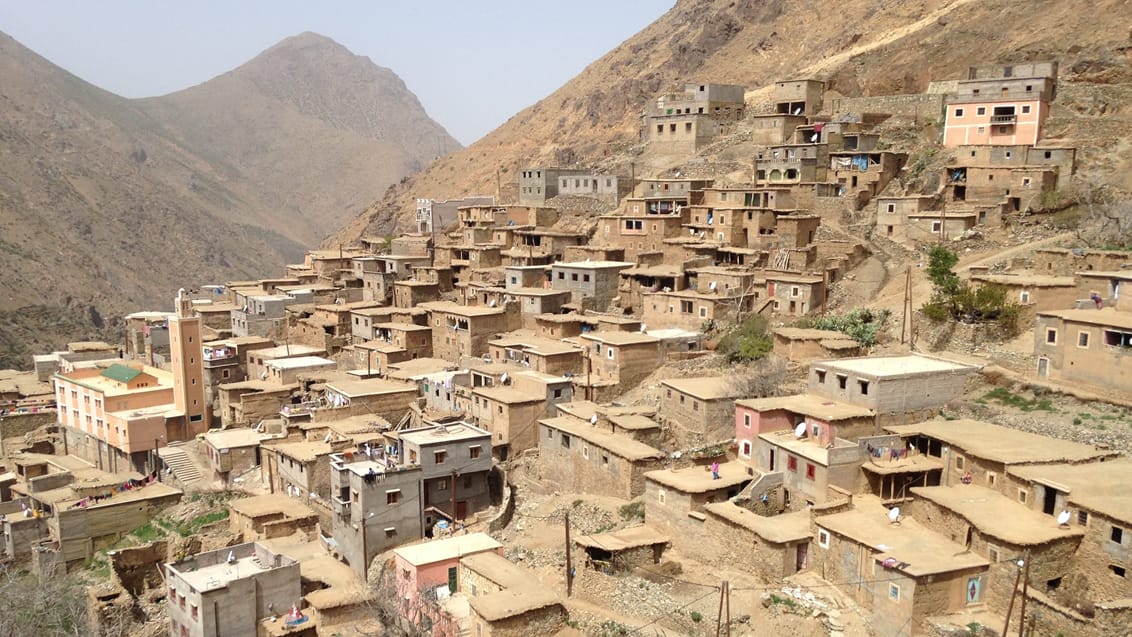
pixel 372 405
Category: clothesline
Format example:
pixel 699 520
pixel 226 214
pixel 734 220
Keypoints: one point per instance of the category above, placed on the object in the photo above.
pixel 128 485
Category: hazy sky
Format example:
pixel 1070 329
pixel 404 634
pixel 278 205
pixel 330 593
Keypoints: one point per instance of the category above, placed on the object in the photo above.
pixel 472 63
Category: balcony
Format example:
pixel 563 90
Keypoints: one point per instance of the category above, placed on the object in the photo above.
pixel 1003 120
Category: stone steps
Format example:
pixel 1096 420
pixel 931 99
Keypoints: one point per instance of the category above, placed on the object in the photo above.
pixel 182 466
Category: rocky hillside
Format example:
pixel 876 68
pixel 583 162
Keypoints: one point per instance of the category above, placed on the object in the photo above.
pixel 860 47
pixel 108 205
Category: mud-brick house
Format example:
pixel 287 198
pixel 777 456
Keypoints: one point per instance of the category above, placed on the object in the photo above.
pixel 700 409
pixel 462 330
pixel 803 345
pixel 507 600
pixel 900 573
pixel 619 359
pixel 1088 347
pixel 772 546
pixel 675 498
pixel 1100 506
pixel 580 457
pixel 231 452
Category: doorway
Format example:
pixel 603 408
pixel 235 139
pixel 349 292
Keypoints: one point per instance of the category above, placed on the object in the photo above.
pixel 1049 501
pixel 800 556
pixel 1043 367
pixel 452 579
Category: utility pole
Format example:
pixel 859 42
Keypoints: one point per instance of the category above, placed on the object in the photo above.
pixel 1013 594
pixel 723 596
pixel 1025 589
pixel 569 561
pixel 906 319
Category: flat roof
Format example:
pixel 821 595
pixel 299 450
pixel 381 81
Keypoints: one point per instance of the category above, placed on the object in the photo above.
pixel 508 395
pixel 697 479
pixel 1123 275
pixel 271 504
pixel 288 351
pixel 447 549
pixel 620 338
pixel 417 367
pixel 994 514
pixel 227 438
pixel 536 344
pixel 919 550
pixel 595 265
pixel 630 538
pixel 1001 444
pixel 297 362
pixel 618 444
pixel 369 387
pixel 443 433
pixel 513 602
pixel 894 366
pixel 500 570
pixel 633 422
pixel 827 409
pixel 703 387
pixel 1105 317
pixel 807 334
pixel 778 529
pixel 1035 280
pixel 1097 486
pixel 305 451
pixel 461 310
pixel 807 447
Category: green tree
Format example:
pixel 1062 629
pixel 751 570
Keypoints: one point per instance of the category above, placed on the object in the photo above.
pixel 747 341
pixel 941 262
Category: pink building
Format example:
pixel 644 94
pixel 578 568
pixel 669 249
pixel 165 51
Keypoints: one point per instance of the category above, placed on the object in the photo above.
pixel 1001 105
pixel 824 417
pixel 422 568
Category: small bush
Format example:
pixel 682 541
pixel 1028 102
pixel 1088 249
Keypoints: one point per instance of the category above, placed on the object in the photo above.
pixel 862 325
pixel 632 510
pixel 748 341
pixel 696 616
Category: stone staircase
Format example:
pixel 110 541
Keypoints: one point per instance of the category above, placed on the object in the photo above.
pixel 182 465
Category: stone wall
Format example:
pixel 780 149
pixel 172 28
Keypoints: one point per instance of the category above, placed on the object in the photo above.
pixel 920 106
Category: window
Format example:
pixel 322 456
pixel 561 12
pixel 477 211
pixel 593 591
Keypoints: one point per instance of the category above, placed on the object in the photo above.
pixel 393 496
pixel 1117 535
pixel 823 538
pixel 1082 339
pixel 936 227
pixel 1022 495
pixel 791 463
pixel 604 459
pixel 474 452
pixel 703 312
pixel 1116 338
pixel 561 276
pixel 573 276
pixel 1082 518
pixel 992 554
pixel 439 457
pixel 1024 296
pixel 585 278
pixel 695 405
pixel 1118 571
pixel 821 375
pixel 864 385
pixel 660 496
pixel 390 531
pixel 959 112
pixel 891 207
pixel 586 452
pixel 565 441
pixel 982 110
pixel 1051 336
pixel 894 592
pixel 810 471
pixel 609 353
pixel 842 381
pixel 747 420
pixel 745 449
pixel 442 485
pixel 992 477
pixel 959 462
pixel 558 393
pixel 795 291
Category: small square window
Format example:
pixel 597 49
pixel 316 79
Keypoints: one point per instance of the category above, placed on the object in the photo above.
pixel 660 496
pixel 440 456
pixel 747 420
pixel 959 112
pixel 1117 535
pixel 811 472
pixel 1022 496
pixel 474 452
pixel 823 538
pixel 1051 336
pixel 959 462
pixel 842 381
pixel 982 110
pixel 393 497
pixel 791 463
pixel 1082 518
pixel 1118 571
pixel 864 385
pixel 821 375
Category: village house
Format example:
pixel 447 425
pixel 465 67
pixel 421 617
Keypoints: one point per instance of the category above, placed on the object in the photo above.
pixel 592 284
pixel 802 345
pixel 618 359
pixel 249 402
pixel 506 599
pixel 808 463
pixel 226 361
pixel 579 457
pixel 769 129
pixel 1088 347
pixel 434 216
pixel 635 422
pixel 272 515
pixel 675 498
pixel 378 273
pixel 687 121
pixel 901 573
pixel 232 452
pixel 698 410
pixel 511 406
pixel 234 587
pixel 800 97
pixel 259 358
pixel 387 399
pixel 539 184
pixel 459 330
pixel 637 230
pixel 694 310
pixel 537 353
pixel 298 469
pixel 795 294
pixel 775 546
pixel 147 337
pixel 1001 104
pixel 1034 292
pixel 531 301
pixel 376 503
pixel 422 568
pixel 455 459
pixel 289 371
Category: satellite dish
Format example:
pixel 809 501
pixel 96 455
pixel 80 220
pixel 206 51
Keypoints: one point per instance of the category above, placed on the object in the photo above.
pixel 326 438
pixel 1063 518
pixel 800 430
pixel 643 327
pixel 593 419
pixel 492 304
pixel 712 285
pixel 231 556
pixel 504 378
pixel 692 231
pixel 894 515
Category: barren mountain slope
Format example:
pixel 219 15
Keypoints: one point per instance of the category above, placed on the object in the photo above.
pixel 862 47
pixel 315 132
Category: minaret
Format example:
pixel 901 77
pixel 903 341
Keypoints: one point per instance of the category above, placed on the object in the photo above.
pixel 188 365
